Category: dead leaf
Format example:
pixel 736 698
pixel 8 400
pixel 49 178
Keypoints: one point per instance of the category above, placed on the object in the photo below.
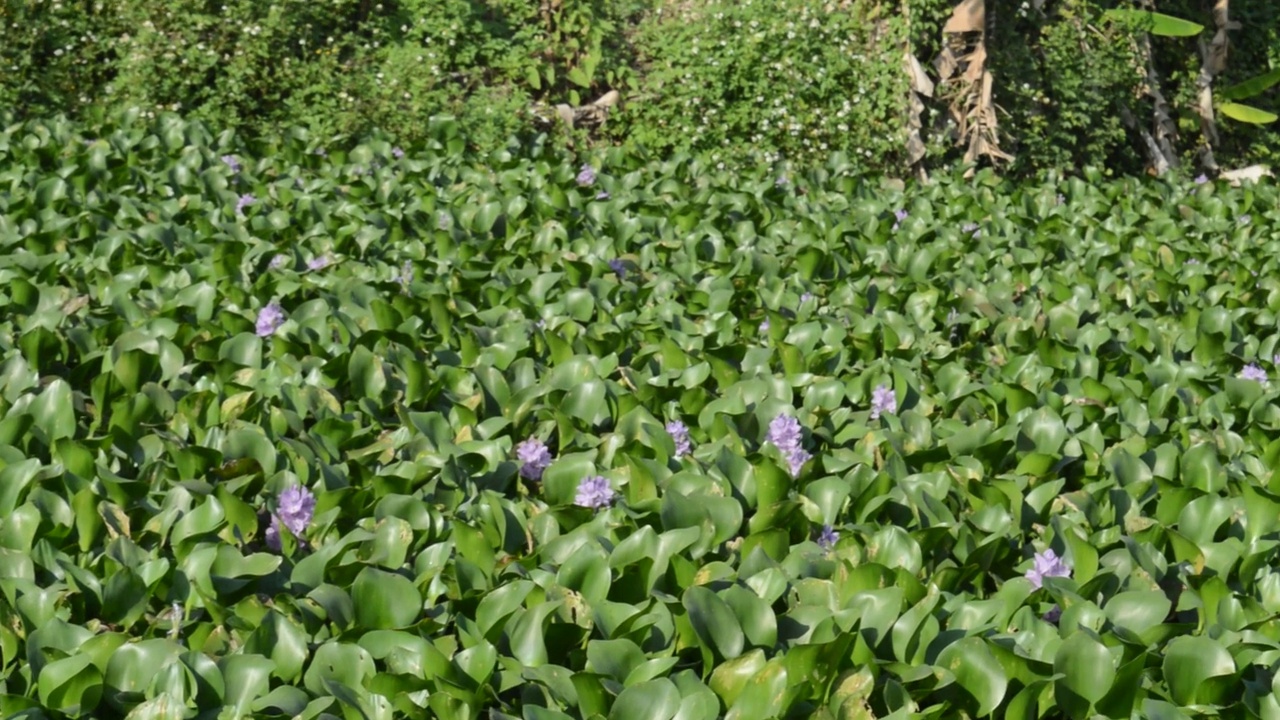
pixel 969 16
pixel 1253 173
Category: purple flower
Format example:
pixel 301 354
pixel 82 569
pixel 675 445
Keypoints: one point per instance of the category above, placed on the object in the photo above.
pixel 232 163
pixel 534 457
pixel 245 201
pixel 1046 564
pixel 602 195
pixel 618 267
pixel 899 215
pixel 594 492
pixel 971 228
pixel 883 401
pixel 781 181
pixel 764 326
pixel 828 537
pixel 587 176
pixel 397 153
pixel 1202 179
pixel 318 262
pixel 1253 371
pixel 278 262
pixel 1062 199
pixel 273 533
pixel 786 435
pixel 541 324
pixel 1245 219
pixel 270 318
pixel 1275 359
pixel 1054 615
pixel 806 297
pixel 406 276
pixel 1193 261
pixel 295 508
pixel 796 460
pixel 680 436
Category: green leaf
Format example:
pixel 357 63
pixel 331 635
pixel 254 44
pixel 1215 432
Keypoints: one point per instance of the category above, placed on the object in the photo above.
pixel 1045 430
pixel 653 700
pixel 1247 113
pixel 247 678
pixel 1086 667
pixel 244 349
pixel 714 622
pixel 365 371
pixel 52 411
pixel 1157 23
pixel 1189 662
pixel 730 678
pixel 615 658
pixel 343 663
pixel 764 696
pixel 385 601
pixel 72 685
pixel 977 671
pixel 1138 610
pixel 1253 86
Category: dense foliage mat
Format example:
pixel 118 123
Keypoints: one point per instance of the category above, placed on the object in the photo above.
pixel 294 431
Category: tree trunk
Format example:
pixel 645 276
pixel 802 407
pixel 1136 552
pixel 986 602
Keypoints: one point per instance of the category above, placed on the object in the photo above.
pixel 1213 61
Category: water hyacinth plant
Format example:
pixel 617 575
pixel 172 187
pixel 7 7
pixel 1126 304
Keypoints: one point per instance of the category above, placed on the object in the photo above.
pixel 405 277
pixel 486 452
pixel 828 538
pixel 270 318
pixel 786 434
pixel 295 509
pixel 534 457
pixel 1044 565
pixel 680 436
pixel 883 401
pixel 1254 371
pixel 594 492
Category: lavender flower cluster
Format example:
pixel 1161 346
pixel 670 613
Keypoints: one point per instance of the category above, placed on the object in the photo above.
pixel 883 401
pixel 295 509
pixel 786 435
pixel 270 318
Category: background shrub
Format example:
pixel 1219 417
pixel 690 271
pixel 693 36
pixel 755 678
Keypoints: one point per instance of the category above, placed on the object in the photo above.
pixel 746 81
pixel 772 79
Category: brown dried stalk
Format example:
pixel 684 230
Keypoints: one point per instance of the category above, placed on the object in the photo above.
pixel 962 65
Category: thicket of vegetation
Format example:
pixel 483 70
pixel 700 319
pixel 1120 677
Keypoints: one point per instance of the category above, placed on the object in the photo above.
pixel 1039 86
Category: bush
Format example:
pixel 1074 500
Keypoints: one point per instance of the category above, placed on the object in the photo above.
pixel 772 79
pixel 1065 80
pixel 755 80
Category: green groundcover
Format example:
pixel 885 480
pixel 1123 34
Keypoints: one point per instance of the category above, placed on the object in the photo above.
pixel 371 432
